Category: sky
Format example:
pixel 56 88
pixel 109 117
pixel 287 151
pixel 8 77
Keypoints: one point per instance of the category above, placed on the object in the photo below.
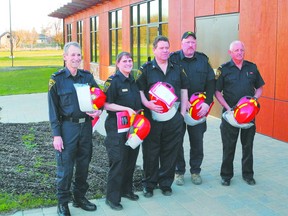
pixel 26 14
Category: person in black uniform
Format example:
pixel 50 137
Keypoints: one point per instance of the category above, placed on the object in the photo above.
pixel 164 139
pixel 72 130
pixel 122 95
pixel 201 79
pixel 235 79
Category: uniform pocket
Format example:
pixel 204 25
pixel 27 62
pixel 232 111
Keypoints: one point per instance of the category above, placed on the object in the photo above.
pixel 65 97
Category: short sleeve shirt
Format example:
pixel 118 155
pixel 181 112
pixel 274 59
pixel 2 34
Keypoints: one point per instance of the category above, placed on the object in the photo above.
pixel 236 83
pixel 198 70
pixel 122 91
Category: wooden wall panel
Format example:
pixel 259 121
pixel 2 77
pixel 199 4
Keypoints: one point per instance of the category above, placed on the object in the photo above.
pixel 264 124
pixel 258 32
pixel 104 45
pixel 174 23
pixel 226 6
pixel 187 16
pixel 280 121
pixel 126 29
pixel 204 8
pixel 281 91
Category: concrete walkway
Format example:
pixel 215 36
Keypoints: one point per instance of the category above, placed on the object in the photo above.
pixel 269 197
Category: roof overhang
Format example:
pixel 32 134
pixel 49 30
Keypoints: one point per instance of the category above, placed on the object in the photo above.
pixel 74 7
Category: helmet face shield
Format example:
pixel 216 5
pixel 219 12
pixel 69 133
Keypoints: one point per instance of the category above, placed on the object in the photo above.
pixel 89 98
pixel 164 95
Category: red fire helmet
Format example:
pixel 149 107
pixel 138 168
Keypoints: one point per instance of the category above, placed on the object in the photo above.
pixel 160 101
pixel 138 131
pixel 196 100
pixel 246 109
pixel 98 97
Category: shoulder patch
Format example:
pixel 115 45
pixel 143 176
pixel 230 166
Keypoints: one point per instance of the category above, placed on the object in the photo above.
pixel 51 83
pixel 218 73
pixel 138 74
pixel 108 83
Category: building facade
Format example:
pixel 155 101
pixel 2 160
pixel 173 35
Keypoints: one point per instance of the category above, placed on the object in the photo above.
pixel 106 27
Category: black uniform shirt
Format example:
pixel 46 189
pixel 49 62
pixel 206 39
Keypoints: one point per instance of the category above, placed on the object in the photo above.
pixel 200 74
pixel 236 83
pixel 150 73
pixel 62 96
pixel 122 91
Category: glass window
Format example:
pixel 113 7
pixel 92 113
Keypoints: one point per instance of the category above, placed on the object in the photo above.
pixel 115 22
pixel 143 13
pixel 135 17
pixel 69 32
pixel 164 11
pixel 80 34
pixel 154 11
pixel 94 39
pixel 149 19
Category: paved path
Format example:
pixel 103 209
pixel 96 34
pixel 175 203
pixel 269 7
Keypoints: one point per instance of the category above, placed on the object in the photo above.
pixel 269 197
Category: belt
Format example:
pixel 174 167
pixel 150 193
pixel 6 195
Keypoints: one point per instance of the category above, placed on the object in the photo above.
pixel 76 120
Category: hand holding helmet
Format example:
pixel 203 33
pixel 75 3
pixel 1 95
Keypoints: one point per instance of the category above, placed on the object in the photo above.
pixel 163 97
pixel 139 129
pixel 243 113
pixel 198 109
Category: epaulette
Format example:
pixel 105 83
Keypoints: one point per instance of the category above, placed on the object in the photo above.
pixel 146 64
pixel 174 53
pixel 59 72
pixel 249 62
pixel 218 72
pixel 201 53
pixel 174 57
pixel 224 64
pixel 108 82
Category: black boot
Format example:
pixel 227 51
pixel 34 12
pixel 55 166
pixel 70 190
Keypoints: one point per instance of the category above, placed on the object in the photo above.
pixel 84 204
pixel 63 209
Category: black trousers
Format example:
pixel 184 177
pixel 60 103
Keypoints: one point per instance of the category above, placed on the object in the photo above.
pixel 122 161
pixel 229 135
pixel 160 152
pixel 196 135
pixel 77 139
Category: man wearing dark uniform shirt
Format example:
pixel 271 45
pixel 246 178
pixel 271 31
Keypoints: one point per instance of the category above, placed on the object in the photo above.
pixel 201 79
pixel 236 79
pixel 164 139
pixel 72 130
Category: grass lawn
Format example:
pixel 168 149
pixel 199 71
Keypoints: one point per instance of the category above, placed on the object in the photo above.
pixel 25 80
pixel 30 72
pixel 32 58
